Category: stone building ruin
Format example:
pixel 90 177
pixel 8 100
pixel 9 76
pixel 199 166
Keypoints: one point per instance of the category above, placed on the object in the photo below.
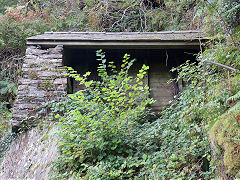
pixel 44 76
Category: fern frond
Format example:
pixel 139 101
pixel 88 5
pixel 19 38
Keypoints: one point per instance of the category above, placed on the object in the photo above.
pixel 4 83
pixel 235 108
pixel 235 97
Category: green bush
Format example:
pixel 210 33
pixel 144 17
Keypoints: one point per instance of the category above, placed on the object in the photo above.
pixel 6 4
pixel 16 27
pixel 211 100
pixel 5 117
pixel 102 116
pixel 106 132
pixel 228 54
pixel 2 42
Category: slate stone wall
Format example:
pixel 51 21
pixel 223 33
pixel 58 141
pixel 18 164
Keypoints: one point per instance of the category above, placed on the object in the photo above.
pixel 42 81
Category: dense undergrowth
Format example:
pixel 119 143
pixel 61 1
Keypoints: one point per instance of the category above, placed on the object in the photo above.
pixel 176 145
pixel 5 116
pixel 107 133
pixel 197 135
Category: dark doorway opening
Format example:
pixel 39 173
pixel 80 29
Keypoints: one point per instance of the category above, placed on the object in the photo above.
pixel 160 62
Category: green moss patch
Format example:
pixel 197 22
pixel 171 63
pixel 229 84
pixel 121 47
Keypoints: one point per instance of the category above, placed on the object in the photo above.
pixel 225 134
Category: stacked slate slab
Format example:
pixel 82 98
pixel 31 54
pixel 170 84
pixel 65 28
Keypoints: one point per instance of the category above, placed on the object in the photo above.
pixel 43 80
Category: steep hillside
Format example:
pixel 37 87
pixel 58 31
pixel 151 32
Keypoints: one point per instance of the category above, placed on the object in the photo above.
pixel 196 137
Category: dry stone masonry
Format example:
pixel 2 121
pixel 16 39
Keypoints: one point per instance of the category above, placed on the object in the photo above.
pixel 43 80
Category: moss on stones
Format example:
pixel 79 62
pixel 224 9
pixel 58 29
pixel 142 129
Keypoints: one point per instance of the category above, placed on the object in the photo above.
pixel 33 74
pixel 34 65
pixel 225 133
pixel 34 168
pixel 47 84
pixel 46 135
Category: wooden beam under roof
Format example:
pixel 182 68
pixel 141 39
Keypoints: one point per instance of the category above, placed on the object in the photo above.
pixel 127 40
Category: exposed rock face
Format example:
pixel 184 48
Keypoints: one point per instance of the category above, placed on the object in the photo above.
pixel 43 80
pixel 31 155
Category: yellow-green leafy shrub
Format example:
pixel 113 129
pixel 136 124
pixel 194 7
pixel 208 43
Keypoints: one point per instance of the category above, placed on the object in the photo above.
pixel 106 132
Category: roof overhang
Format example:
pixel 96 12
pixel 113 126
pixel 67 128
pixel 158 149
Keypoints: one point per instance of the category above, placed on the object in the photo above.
pixel 121 40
